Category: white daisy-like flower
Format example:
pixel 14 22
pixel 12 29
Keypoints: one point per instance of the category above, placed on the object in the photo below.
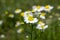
pixel 59 18
pixel 2 36
pixel 58 7
pixel 42 16
pixel 11 15
pixel 27 13
pixel 19 30
pixel 41 23
pixel 30 19
pixel 17 24
pixel 38 8
pixel 37 14
pixel 1 21
pixel 41 26
pixel 27 36
pixel 48 8
pixel 18 11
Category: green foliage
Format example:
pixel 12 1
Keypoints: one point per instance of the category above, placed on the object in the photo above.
pixel 10 31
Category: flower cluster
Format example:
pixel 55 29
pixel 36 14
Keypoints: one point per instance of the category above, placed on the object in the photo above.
pixel 37 15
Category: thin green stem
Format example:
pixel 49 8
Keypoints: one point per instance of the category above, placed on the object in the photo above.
pixel 31 31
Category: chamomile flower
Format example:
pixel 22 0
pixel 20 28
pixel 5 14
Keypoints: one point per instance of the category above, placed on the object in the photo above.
pixel 27 13
pixel 42 16
pixel 37 14
pixel 58 7
pixel 2 36
pixel 59 18
pixel 48 8
pixel 30 19
pixel 1 22
pixel 38 8
pixel 19 30
pixel 41 26
pixel 41 23
pixel 18 11
pixel 11 15
pixel 17 24
pixel 27 36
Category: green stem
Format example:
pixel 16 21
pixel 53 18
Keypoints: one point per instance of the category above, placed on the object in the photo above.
pixel 31 31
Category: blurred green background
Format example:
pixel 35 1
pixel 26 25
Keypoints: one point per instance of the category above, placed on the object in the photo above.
pixel 10 31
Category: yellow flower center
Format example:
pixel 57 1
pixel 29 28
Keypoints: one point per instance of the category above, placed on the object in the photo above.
pixel 38 7
pixel 43 14
pixel 16 9
pixel 22 14
pixel 40 22
pixel 47 6
pixel 30 18
pixel 42 27
pixel 33 11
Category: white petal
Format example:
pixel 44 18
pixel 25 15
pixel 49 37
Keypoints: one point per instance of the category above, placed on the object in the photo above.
pixel 46 26
pixel 1 22
pixel 42 8
pixel 18 11
pixel 35 20
pixel 2 36
pixel 19 30
pixel 39 26
pixel 43 17
pixel 50 8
